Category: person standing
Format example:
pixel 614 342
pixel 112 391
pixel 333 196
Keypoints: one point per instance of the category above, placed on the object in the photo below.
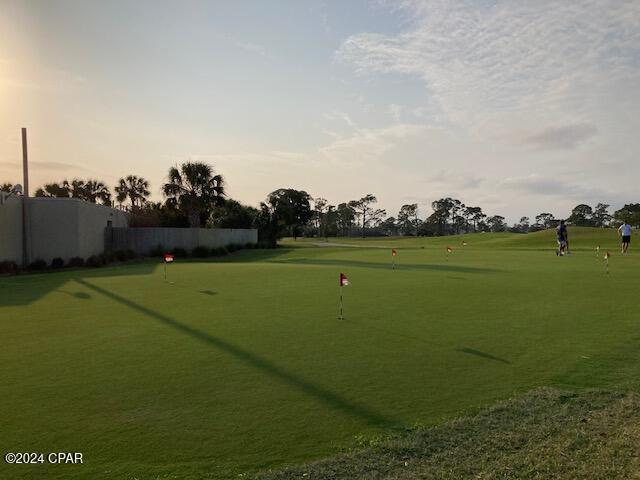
pixel 624 231
pixel 563 238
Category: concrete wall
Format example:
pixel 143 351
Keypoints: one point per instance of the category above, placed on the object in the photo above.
pixel 10 228
pixel 68 227
pixel 144 240
pixel 59 227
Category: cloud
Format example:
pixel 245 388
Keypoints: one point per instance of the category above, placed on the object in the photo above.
pixel 562 138
pixel 555 60
pixel 47 166
pixel 365 145
pixel 540 185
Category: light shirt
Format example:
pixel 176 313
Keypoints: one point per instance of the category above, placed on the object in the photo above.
pixel 625 229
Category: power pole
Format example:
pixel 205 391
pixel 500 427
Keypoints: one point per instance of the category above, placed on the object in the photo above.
pixel 26 230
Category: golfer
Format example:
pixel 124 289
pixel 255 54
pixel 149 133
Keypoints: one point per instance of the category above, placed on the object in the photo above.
pixel 624 231
pixel 563 238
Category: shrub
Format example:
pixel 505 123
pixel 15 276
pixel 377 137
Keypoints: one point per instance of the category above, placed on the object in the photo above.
pixel 57 263
pixel 95 261
pixel 201 252
pixel 76 262
pixel 250 246
pixel 232 247
pixel 179 252
pixel 219 252
pixel 38 264
pixel 7 266
pixel 108 257
pixel 131 254
pixel 157 251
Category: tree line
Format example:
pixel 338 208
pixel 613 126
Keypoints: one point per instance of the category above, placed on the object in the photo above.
pixel 195 196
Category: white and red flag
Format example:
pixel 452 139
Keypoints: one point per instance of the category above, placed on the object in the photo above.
pixel 343 280
pixel 449 250
pixel 394 253
pixel 168 257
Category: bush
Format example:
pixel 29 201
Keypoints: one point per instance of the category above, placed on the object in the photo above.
pixel 57 263
pixel 95 261
pixel 157 251
pixel 179 252
pixel 7 266
pixel 201 252
pixel 219 252
pixel 76 262
pixel 250 246
pixel 232 247
pixel 37 265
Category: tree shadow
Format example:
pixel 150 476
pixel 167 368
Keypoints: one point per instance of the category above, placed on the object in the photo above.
pixel 208 292
pixel 387 266
pixel 332 399
pixel 79 295
pixel 27 288
pixel 478 353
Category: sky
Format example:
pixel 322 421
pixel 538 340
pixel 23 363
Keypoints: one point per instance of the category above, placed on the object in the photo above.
pixel 518 107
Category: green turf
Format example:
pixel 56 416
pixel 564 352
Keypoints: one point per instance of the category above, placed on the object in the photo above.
pixel 241 364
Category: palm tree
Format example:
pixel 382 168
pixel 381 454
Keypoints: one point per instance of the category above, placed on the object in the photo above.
pixel 135 188
pixel 94 190
pixel 194 189
pixel 54 190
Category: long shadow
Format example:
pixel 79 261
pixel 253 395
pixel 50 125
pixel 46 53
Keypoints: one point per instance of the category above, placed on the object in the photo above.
pixel 387 266
pixel 259 363
pixel 478 353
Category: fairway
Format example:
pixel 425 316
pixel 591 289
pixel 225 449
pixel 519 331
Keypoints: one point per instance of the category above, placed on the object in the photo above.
pixel 240 364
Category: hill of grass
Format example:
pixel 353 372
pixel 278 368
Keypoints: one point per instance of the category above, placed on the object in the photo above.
pixel 581 238
pixel 546 434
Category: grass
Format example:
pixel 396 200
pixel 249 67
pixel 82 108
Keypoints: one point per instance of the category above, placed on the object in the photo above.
pixel 240 364
pixel 546 434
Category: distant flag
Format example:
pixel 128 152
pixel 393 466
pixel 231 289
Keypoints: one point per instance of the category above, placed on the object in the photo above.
pixel 393 252
pixel 343 281
pixel 449 250
pixel 168 258
pixel 598 251
pixel 464 244
pixel 606 260
pixel 607 255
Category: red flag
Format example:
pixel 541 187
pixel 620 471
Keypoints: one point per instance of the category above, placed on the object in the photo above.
pixel 168 257
pixel 393 252
pixel 343 280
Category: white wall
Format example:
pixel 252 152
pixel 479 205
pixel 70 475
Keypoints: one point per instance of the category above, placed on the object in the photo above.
pixel 144 240
pixel 10 228
pixel 59 227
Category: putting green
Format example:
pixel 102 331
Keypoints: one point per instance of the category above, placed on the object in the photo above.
pixel 241 364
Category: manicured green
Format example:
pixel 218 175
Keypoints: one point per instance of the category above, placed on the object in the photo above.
pixel 240 364
pixel 546 434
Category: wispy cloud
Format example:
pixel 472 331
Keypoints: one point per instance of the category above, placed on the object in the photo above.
pixel 563 138
pixel 477 59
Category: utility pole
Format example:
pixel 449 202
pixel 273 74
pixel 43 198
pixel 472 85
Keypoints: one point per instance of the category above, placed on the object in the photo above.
pixel 26 230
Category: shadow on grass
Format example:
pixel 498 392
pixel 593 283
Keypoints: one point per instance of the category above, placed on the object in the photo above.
pixel 78 295
pixel 386 266
pixel 478 353
pixel 332 399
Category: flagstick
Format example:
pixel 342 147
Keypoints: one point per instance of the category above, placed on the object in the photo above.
pixel 393 263
pixel 341 317
pixel 165 270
